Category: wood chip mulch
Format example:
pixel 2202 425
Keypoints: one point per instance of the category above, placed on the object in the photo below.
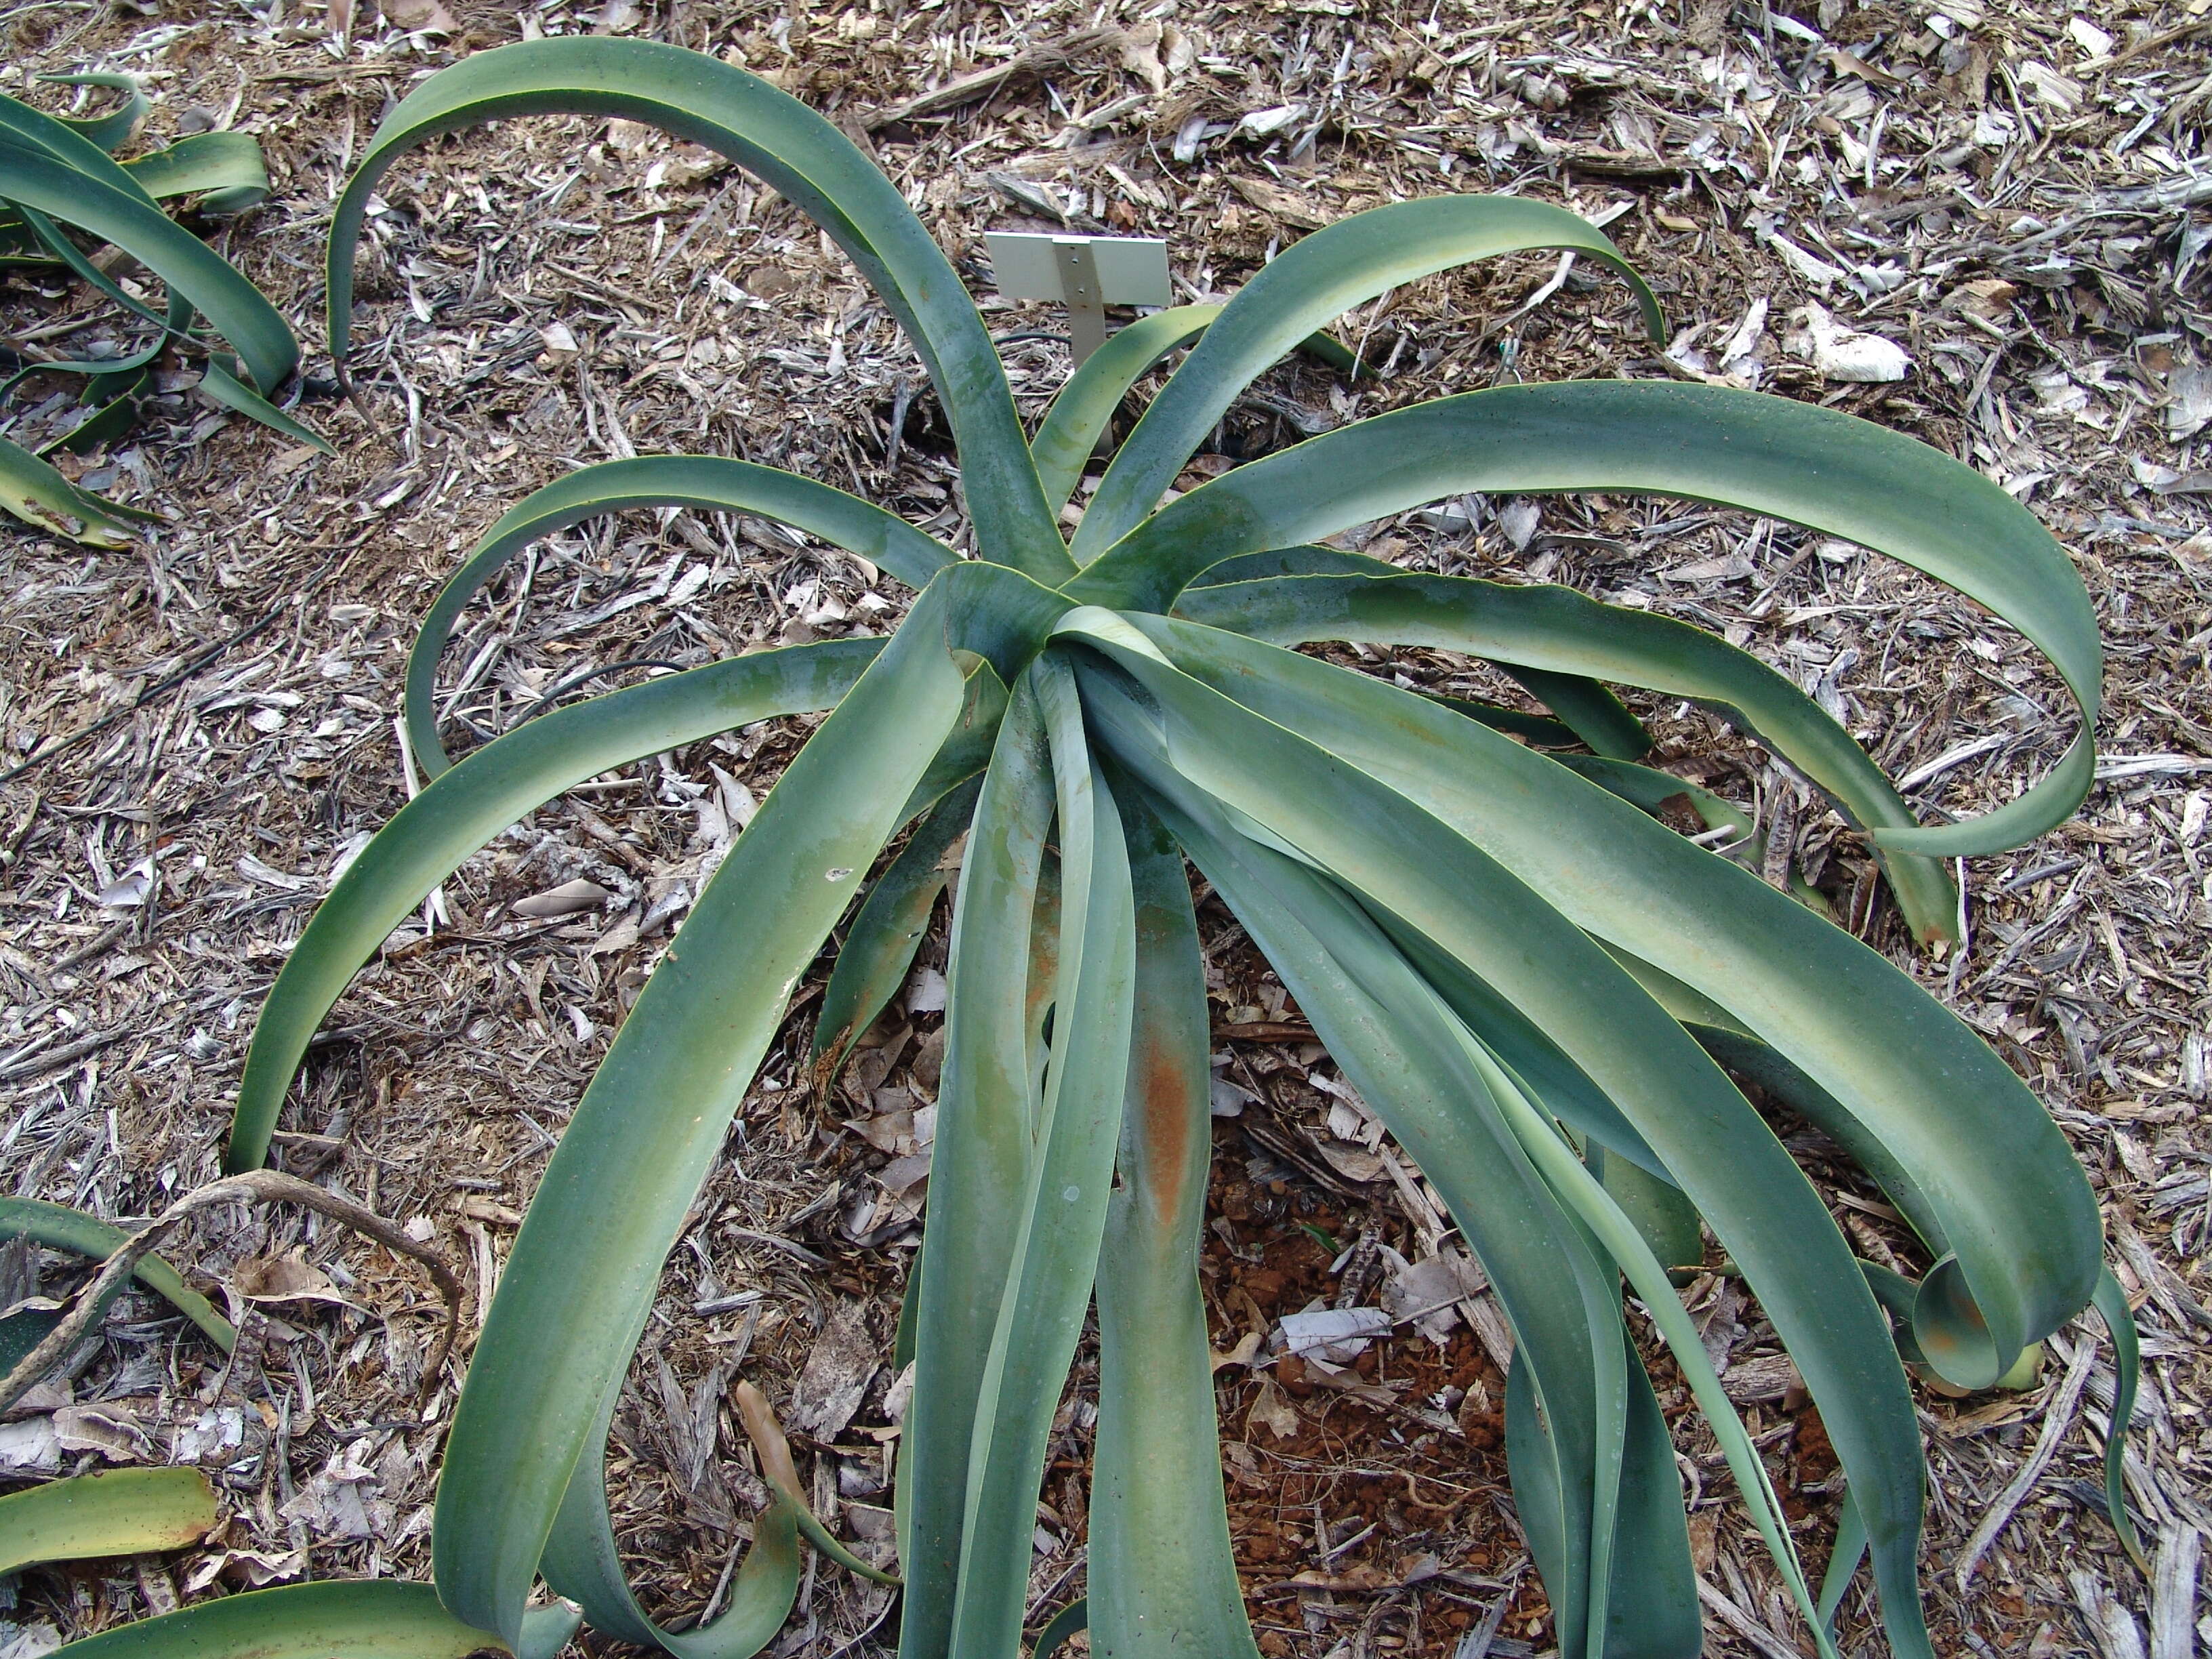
pixel 2007 203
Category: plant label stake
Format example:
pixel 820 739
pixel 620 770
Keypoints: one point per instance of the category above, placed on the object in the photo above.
pixel 1086 274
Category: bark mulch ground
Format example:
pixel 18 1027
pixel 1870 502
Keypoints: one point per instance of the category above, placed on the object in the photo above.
pixel 2007 203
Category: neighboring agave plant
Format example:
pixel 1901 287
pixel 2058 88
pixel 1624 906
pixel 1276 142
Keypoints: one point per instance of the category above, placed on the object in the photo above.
pixel 1532 979
pixel 120 1512
pixel 61 1227
pixel 54 169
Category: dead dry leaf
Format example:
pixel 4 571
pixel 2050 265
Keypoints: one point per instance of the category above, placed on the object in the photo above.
pixel 288 1278
pixel 1271 1410
pixel 840 1366
pixel 419 16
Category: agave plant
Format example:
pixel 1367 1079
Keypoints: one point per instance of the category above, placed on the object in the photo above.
pixel 1545 992
pixel 53 169
pixel 61 1227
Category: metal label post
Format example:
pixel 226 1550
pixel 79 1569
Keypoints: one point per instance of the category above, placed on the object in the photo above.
pixel 1086 304
pixel 1086 274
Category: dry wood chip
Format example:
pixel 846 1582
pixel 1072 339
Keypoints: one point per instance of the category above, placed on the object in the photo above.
pixel 843 1361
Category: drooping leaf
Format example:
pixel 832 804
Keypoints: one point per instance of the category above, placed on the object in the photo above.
pixel 66 142
pixel 979 1166
pixel 33 178
pixel 1653 1605
pixel 583 1563
pixel 218 385
pixel 1252 602
pixel 1085 406
pixel 1307 286
pixel 879 946
pixel 1309 793
pixel 111 131
pixel 1619 1237
pixel 1806 465
pixel 33 491
pixel 2111 1303
pixel 1162 1581
pixel 1531 1050
pixel 655 481
pixel 109 375
pixel 1556 629
pixel 1998 1186
pixel 49 236
pixel 1391 1036
pixel 61 1227
pixel 337 1618
pixel 613 1198
pixel 1652 1611
pixel 224 169
pixel 1067 1186
pixel 1731 1041
pixel 808 162
pixel 227 168
pixel 465 807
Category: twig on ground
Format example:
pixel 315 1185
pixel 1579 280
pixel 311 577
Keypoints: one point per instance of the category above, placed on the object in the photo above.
pixel 254 1187
pixel 2057 1419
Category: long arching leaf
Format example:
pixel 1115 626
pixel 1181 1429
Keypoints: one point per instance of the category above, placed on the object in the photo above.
pixel 1620 1240
pixel 31 177
pixel 806 159
pixel 1592 712
pixel 67 254
pixel 33 491
pixel 1560 631
pixel 879 946
pixel 1999 1188
pixel 1808 465
pixel 226 168
pixel 589 1255
pixel 705 482
pixel 111 131
pixel 1062 1217
pixel 980 1166
pixel 1396 1044
pixel 1080 413
pixel 583 1563
pixel 61 1227
pixel 1162 1579
pixel 371 1619
pixel 1306 287
pixel 66 143
pixel 1374 834
pixel 492 788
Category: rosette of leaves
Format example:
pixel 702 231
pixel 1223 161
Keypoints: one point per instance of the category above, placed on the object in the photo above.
pixel 1545 992
pixel 56 173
